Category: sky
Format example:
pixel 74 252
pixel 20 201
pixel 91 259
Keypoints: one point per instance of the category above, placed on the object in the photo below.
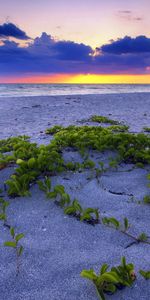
pixel 75 41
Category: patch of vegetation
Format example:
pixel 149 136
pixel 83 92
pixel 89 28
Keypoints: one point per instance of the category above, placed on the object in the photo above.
pixel 33 162
pixel 131 148
pixel 103 119
pixel 54 129
pixel 72 208
pixel 107 282
pixel 118 128
pixel 8 145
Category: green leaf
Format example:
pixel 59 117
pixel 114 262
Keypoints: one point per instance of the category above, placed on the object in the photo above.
pixel 111 277
pixel 20 250
pixel 85 216
pixel 10 244
pixel 12 232
pixel 19 161
pixel 123 261
pixel 105 221
pixel 69 210
pixel 115 222
pixel 89 274
pixel 48 183
pixel 145 274
pixel 52 195
pixel 77 205
pixel 31 162
pixel 111 288
pixel 126 224
pixel 19 237
pixel 59 189
pixel 41 186
pixel 2 217
pixel 103 269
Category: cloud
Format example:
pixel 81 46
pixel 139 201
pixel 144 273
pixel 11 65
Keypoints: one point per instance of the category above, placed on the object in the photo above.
pixel 46 55
pixel 140 44
pixel 128 15
pixel 63 50
pixel 11 30
pixel 124 11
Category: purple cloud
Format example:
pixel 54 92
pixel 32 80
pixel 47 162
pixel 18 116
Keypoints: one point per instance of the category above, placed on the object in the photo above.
pixel 140 44
pixel 11 30
pixel 47 55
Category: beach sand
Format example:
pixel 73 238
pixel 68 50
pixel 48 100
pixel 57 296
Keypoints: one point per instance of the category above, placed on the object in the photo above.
pixel 57 247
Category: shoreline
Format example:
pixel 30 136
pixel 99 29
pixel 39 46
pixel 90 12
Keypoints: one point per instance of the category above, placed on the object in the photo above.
pixel 72 95
pixel 31 115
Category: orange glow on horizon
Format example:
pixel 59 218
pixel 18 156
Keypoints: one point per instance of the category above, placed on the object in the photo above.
pixel 81 79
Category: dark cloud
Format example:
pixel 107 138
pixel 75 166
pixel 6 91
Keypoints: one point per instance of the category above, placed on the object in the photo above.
pixel 140 44
pixel 11 30
pixel 47 55
pixel 67 50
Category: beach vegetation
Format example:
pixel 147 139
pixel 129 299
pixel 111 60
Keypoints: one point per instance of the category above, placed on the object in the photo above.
pixel 142 237
pixel 107 282
pixel 118 128
pixel 18 185
pixel 15 244
pixel 103 119
pixel 54 129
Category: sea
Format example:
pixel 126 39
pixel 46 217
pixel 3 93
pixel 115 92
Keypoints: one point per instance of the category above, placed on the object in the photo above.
pixel 20 90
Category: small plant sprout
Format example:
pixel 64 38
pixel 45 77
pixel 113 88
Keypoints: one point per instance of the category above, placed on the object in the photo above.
pixel 125 272
pixel 142 237
pixel 107 282
pixel 123 228
pixel 103 119
pixel 14 243
pixel 145 274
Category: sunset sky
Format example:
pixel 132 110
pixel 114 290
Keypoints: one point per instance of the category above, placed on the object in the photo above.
pixel 75 41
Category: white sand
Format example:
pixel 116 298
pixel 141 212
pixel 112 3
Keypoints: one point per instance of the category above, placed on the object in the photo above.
pixel 58 247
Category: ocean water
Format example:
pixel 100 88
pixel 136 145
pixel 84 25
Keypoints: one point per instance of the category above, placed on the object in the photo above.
pixel 19 90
